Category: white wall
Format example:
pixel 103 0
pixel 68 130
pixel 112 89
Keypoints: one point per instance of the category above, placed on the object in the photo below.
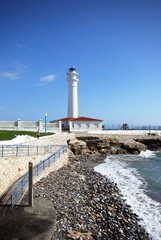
pixel 85 126
pixel 30 126
pixel 128 132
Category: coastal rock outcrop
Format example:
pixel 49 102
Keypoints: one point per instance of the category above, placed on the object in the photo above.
pixel 86 145
pixel 153 144
pixel 76 146
pixel 133 147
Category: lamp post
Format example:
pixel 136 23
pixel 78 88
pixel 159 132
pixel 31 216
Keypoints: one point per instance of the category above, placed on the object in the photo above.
pixel 45 123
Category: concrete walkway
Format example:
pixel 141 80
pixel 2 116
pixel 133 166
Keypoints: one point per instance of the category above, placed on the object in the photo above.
pixel 29 223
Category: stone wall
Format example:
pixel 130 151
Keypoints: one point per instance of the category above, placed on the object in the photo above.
pixel 12 168
pixel 30 126
pixel 63 160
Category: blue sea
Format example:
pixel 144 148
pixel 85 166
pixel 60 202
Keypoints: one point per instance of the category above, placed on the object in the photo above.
pixel 139 180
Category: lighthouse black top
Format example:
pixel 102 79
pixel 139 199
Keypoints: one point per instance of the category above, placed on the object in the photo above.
pixel 72 69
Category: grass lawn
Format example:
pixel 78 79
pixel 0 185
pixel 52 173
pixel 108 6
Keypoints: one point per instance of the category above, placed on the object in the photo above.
pixel 8 135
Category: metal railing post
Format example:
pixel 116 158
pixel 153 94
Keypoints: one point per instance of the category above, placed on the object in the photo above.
pixel 43 165
pixel 30 184
pixel 2 150
pixel 16 150
pixel 12 204
pixel 48 162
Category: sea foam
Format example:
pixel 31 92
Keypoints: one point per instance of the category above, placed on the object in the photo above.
pixel 146 154
pixel 133 186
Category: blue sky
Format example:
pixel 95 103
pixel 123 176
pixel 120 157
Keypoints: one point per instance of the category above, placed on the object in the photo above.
pixel 115 45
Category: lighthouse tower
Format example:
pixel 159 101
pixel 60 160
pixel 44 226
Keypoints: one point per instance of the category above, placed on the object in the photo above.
pixel 72 93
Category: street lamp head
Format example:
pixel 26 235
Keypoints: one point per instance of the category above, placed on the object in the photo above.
pixel 46 114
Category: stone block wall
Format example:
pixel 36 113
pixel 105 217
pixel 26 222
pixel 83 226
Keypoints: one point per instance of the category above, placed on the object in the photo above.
pixel 13 168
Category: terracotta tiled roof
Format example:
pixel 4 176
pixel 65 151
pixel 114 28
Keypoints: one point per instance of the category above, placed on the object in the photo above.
pixel 61 119
pixel 77 119
pixel 86 119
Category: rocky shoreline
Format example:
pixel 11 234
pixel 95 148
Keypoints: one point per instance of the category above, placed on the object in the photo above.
pixel 106 144
pixel 88 205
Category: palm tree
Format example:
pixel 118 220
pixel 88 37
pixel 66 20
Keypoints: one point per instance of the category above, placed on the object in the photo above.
pixel 125 126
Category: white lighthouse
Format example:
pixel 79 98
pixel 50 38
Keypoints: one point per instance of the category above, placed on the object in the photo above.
pixel 73 122
pixel 72 93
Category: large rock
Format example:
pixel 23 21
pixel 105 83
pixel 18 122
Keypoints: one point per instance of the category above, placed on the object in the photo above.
pixel 77 146
pixel 133 147
pixel 152 143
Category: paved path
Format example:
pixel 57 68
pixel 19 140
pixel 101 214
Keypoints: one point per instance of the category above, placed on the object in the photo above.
pixel 29 223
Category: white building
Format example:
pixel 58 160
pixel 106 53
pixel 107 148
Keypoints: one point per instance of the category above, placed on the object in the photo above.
pixel 73 122
pixel 80 124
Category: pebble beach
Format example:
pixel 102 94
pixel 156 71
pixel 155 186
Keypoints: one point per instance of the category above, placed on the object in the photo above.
pixel 88 205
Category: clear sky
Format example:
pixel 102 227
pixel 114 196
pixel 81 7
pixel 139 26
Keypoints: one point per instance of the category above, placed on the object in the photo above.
pixel 115 46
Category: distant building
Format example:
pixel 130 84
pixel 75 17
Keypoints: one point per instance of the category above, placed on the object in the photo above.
pixel 73 122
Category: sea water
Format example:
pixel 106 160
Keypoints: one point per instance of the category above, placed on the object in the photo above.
pixel 139 180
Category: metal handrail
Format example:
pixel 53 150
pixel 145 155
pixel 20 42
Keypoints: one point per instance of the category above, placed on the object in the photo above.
pixel 19 191
pixel 21 150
